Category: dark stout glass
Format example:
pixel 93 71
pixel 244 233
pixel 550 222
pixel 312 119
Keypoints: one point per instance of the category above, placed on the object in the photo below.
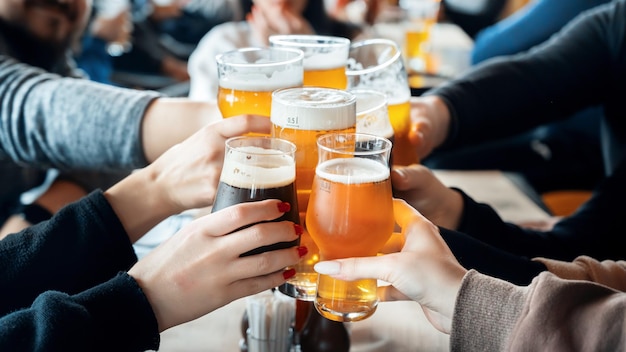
pixel 259 168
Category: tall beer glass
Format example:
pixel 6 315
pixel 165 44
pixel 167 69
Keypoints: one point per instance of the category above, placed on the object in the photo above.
pixel 324 58
pixel 257 168
pixel 300 115
pixel 421 17
pixel 248 76
pixel 377 64
pixel 350 214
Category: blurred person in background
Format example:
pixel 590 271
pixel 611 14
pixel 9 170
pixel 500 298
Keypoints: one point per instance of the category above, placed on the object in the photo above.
pixel 263 18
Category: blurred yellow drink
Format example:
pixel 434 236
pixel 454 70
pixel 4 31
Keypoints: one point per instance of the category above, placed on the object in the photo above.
pixel 329 78
pixel 404 153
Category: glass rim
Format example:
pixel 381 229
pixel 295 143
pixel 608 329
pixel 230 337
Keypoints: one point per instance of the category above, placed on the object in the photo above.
pixel 374 107
pixel 276 94
pixel 219 58
pixel 309 40
pixel 359 136
pixel 374 41
pixel 292 146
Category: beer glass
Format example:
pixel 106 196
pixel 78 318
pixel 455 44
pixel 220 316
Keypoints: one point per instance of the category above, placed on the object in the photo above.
pixel 421 16
pixel 300 115
pixel 257 168
pixel 324 58
pixel 248 76
pixel 350 214
pixel 372 115
pixel 377 64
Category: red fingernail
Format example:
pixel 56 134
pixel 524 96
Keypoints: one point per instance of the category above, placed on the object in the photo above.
pixel 299 229
pixel 289 273
pixel 302 251
pixel 284 207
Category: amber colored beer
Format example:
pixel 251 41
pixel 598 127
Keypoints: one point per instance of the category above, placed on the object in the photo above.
pixel 329 78
pixel 372 115
pixel 258 168
pixel 233 102
pixel 324 58
pixel 350 214
pixel 248 76
pixel 404 152
pixel 300 115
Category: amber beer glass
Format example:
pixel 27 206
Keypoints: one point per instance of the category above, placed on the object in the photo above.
pixel 248 76
pixel 300 115
pixel 257 168
pixel 324 58
pixel 421 16
pixel 377 64
pixel 350 214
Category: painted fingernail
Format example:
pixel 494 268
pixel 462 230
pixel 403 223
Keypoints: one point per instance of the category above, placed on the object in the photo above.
pixel 299 229
pixel 284 207
pixel 289 273
pixel 327 268
pixel 302 251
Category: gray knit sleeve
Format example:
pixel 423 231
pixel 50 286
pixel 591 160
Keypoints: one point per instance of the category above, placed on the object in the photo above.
pixel 68 123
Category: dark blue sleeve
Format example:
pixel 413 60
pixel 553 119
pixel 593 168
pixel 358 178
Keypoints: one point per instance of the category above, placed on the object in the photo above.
pixel 113 316
pixel 529 26
pixel 83 245
pixel 580 66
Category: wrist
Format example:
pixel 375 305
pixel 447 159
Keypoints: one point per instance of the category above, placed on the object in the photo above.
pixel 442 114
pixel 140 202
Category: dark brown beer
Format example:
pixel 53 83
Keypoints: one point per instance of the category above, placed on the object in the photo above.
pixel 254 171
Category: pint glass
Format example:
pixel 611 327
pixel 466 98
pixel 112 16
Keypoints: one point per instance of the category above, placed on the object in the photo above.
pixel 421 16
pixel 257 168
pixel 377 64
pixel 324 58
pixel 300 115
pixel 248 76
pixel 350 214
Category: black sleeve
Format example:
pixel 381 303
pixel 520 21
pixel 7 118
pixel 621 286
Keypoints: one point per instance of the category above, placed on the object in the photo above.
pixel 113 316
pixel 83 245
pixel 581 66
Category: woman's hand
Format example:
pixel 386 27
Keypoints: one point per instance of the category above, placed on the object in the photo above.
pixel 184 177
pixel 424 271
pixel 199 269
pixel 419 187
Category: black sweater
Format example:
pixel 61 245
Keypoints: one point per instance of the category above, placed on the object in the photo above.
pixel 63 285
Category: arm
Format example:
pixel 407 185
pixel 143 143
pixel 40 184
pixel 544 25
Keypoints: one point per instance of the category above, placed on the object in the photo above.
pixel 51 121
pixel 513 94
pixel 549 314
pixel 527 27
pixel 486 314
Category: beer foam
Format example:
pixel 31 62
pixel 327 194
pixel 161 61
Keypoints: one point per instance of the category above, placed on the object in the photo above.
pixel 313 109
pixel 352 170
pixel 260 82
pixel 247 167
pixel 372 116
pixel 320 52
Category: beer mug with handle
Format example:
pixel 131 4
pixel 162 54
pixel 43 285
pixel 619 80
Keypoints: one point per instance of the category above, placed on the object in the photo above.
pixel 377 64
pixel 350 214
pixel 258 168
pixel 300 115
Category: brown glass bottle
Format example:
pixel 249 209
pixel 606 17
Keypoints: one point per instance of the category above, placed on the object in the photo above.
pixel 323 335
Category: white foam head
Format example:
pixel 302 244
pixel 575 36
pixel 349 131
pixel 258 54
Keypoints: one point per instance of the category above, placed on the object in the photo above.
pixel 313 109
pixel 371 113
pixel 352 170
pixel 320 52
pixel 248 167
